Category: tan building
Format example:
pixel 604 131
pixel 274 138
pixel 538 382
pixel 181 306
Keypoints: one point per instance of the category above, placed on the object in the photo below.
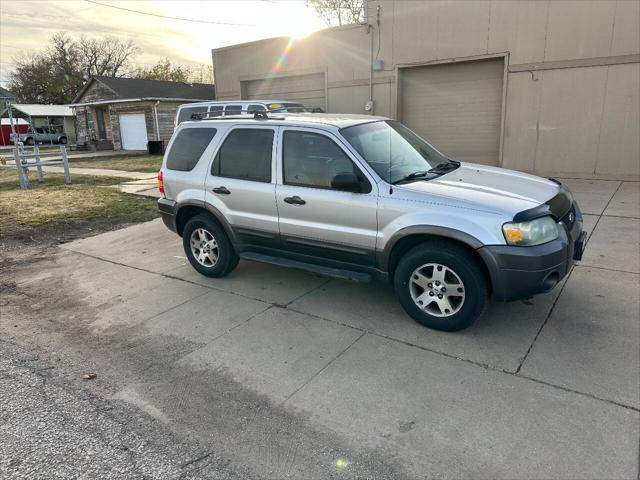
pixel 544 86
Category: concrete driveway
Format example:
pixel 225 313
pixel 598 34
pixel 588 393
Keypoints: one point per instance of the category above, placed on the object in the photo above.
pixel 547 388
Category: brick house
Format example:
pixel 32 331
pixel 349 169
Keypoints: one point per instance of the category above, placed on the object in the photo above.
pixel 125 113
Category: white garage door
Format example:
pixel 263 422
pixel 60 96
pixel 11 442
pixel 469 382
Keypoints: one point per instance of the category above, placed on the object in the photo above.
pixel 133 131
pixel 457 107
pixel 306 89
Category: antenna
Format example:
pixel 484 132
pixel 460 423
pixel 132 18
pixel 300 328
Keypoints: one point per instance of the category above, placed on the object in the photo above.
pixel 390 184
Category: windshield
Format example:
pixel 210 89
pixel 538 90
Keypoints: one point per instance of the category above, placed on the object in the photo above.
pixel 394 151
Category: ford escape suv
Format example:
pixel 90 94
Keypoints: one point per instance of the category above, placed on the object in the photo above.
pixel 362 197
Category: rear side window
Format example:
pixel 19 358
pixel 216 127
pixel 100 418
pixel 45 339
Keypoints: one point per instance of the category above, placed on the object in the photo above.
pixel 188 147
pixel 216 111
pixel 255 108
pixel 245 154
pixel 186 112
pixel 233 109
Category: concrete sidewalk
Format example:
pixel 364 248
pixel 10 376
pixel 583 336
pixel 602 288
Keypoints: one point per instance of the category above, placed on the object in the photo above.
pixel 102 172
pixel 546 388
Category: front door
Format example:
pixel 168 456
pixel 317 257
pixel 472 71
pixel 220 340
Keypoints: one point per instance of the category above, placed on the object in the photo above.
pixel 314 218
pixel 240 184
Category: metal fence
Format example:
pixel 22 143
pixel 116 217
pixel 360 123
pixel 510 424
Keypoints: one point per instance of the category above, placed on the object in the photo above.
pixel 22 157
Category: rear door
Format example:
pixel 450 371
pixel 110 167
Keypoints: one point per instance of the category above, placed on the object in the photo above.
pixel 240 183
pixel 316 219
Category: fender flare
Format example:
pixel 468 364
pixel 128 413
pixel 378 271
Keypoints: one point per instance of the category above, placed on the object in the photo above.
pixel 217 214
pixel 385 255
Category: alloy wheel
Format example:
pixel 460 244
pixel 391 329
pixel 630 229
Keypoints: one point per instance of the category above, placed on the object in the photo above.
pixel 204 247
pixel 437 290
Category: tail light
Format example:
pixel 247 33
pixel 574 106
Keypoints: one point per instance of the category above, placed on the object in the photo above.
pixel 160 183
pixel 174 121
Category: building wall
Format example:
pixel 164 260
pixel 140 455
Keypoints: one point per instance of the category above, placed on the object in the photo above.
pixel 572 77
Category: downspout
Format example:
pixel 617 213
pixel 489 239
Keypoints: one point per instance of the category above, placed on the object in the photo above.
pixel 155 116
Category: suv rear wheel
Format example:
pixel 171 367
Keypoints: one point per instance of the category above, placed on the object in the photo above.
pixel 441 286
pixel 208 248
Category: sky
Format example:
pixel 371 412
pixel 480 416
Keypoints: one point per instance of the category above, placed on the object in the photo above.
pixel 26 25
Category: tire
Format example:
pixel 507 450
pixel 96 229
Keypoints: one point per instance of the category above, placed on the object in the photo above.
pixel 29 141
pixel 213 259
pixel 63 140
pixel 455 289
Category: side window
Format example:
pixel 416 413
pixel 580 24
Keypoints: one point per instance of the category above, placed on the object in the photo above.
pixel 233 110
pixel 215 111
pixel 186 112
pixel 188 147
pixel 245 154
pixel 255 108
pixel 312 160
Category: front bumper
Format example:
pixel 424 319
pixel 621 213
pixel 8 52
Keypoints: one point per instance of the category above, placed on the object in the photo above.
pixel 521 272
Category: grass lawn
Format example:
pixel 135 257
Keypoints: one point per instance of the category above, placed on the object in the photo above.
pixel 129 163
pixel 53 210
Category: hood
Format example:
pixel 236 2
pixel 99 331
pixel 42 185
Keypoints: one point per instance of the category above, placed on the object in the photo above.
pixel 490 188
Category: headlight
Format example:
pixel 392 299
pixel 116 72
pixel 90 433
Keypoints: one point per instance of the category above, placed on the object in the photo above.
pixel 535 232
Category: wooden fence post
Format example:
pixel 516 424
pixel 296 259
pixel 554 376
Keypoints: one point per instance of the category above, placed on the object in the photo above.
pixel 65 164
pixel 23 175
pixel 36 153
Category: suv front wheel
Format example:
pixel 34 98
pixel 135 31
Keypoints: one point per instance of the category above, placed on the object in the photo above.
pixel 208 248
pixel 441 286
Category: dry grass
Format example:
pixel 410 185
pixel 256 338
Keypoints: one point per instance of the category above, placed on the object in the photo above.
pixel 129 163
pixel 54 207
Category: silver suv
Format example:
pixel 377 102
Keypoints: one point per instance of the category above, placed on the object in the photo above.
pixel 361 197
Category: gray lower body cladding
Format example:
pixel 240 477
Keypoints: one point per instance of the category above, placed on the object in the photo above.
pixel 515 272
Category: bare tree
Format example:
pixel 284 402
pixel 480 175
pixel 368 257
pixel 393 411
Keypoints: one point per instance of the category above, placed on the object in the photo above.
pixel 105 56
pixel 164 70
pixel 202 74
pixel 57 73
pixel 339 12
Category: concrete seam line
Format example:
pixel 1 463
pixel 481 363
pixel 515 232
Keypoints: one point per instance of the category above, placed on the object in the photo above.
pixel 601 215
pixel 251 317
pixel 607 269
pixel 165 275
pixel 553 306
pixel 323 368
pixel 173 307
pixel 327 280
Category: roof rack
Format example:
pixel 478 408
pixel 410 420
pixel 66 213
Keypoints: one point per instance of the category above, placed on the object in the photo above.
pixel 255 114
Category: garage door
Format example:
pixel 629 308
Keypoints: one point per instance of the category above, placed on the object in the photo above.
pixel 457 107
pixel 306 89
pixel 133 131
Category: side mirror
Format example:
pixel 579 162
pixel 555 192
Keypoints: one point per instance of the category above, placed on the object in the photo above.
pixel 346 181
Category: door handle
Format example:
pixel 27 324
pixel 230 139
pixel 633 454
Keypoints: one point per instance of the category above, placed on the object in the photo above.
pixel 221 190
pixel 295 200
